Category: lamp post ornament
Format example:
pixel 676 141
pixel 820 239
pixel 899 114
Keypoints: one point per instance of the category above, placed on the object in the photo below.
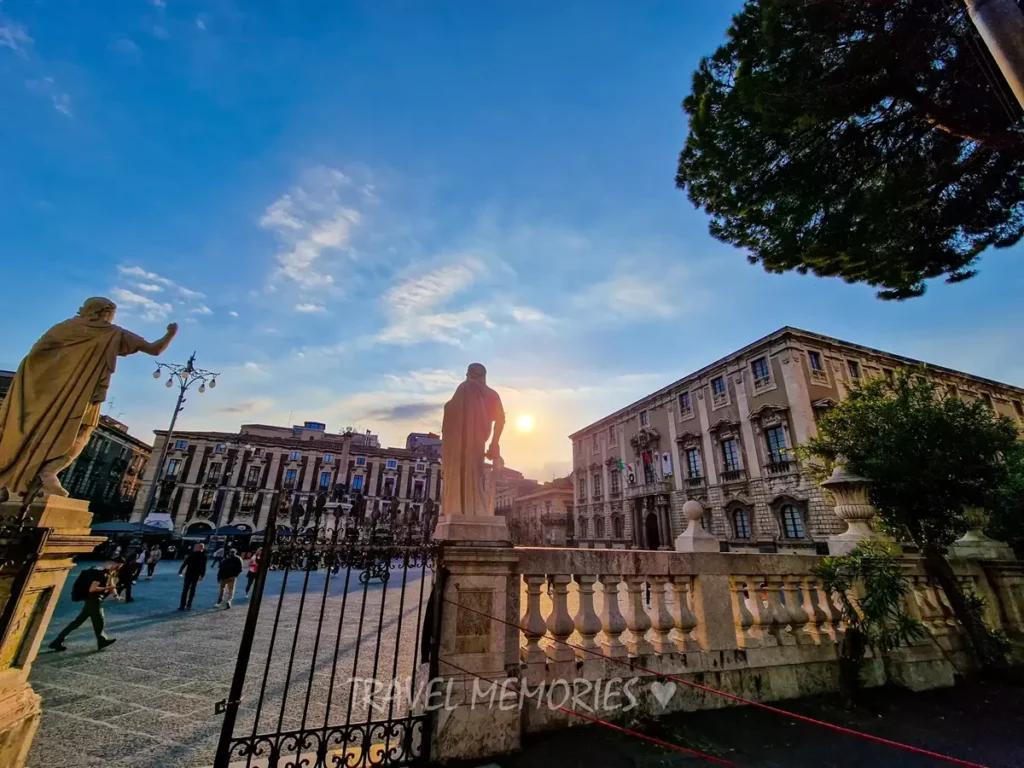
pixel 185 376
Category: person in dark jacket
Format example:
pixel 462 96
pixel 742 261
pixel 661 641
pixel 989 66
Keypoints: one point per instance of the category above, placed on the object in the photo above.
pixel 193 568
pixel 230 569
pixel 126 576
pixel 96 584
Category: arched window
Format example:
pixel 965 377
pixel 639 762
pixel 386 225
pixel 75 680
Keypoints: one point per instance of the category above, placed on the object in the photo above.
pixel 618 530
pixel 741 523
pixel 599 528
pixel 792 522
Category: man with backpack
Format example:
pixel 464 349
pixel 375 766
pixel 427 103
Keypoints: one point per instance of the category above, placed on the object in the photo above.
pixel 193 568
pixel 230 569
pixel 90 589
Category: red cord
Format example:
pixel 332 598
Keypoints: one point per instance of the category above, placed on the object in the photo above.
pixel 776 710
pixel 605 723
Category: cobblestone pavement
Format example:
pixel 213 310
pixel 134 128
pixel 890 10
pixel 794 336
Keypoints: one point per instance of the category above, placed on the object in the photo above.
pixel 149 699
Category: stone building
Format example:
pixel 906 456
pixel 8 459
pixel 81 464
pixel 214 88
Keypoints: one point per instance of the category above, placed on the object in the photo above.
pixel 6 377
pixel 509 485
pixel 108 472
pixel 211 480
pixel 724 436
pixel 541 516
pixel 424 442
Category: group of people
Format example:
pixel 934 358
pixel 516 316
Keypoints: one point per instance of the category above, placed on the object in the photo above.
pixel 117 575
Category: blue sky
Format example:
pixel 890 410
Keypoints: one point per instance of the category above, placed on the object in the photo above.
pixel 344 204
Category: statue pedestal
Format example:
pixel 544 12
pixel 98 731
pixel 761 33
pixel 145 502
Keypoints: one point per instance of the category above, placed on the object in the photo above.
pixel 40 556
pixel 473 529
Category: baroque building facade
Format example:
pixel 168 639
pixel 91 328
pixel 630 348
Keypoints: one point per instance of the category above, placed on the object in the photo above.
pixel 541 516
pixel 231 480
pixel 724 437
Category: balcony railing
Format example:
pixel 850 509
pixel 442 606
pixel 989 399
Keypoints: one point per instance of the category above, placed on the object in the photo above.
pixel 686 413
pixel 762 382
pixel 734 476
pixel 171 477
pixel 648 489
pixel 720 399
pixel 695 481
pixel 819 376
pixel 597 496
pixel 781 467
pixel 615 494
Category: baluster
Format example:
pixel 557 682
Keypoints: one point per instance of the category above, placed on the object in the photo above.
pixel 683 617
pixel 534 628
pixel 560 623
pixel 661 619
pixel 612 622
pixel 779 615
pixel 798 617
pixel 820 621
pixel 587 622
pixel 834 625
pixel 763 618
pixel 746 636
pixel 913 609
pixel 931 612
pixel 948 616
pixel 637 619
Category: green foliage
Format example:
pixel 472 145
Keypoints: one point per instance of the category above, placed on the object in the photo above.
pixel 927 454
pixel 855 138
pixel 872 572
pixel 1006 509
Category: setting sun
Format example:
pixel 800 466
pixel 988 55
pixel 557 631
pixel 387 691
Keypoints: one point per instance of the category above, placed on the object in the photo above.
pixel 524 423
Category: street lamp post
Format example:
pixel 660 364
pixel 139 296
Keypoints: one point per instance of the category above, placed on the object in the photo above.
pixel 185 376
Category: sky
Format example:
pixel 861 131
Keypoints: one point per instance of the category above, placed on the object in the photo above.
pixel 344 204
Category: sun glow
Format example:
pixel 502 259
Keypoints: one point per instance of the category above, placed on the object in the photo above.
pixel 525 423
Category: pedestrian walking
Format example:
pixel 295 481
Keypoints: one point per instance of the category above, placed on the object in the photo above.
pixel 140 562
pixel 193 570
pixel 90 589
pixel 229 570
pixel 126 576
pixel 152 559
pixel 171 551
pixel 254 568
pixel 218 556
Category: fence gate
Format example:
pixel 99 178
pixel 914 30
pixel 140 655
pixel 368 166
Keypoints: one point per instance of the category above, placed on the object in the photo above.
pixel 339 644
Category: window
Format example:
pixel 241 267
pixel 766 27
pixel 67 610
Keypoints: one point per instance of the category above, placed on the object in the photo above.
pixel 599 528
pixel 762 375
pixel 741 523
pixel 731 455
pixel 254 475
pixel 581 489
pixel 685 406
pixel 218 448
pixel 547 506
pixel 325 480
pixel 986 398
pixel 357 483
pixel 1019 408
pixel 294 456
pixel 597 484
pixel 890 375
pixel 173 466
pixel 417 491
pixel 814 358
pixel 248 501
pixel 616 480
pixel 360 461
pixel 792 522
pixel 289 477
pixel 389 487
pixel 776 439
pixel 611 434
pixel 213 473
pixel 258 453
pixel 718 392
pixel 180 445
pixel 206 500
pixel 328 458
pixel 618 531
pixel 421 467
pixel 644 419
pixel 597 445
pixel 392 464
pixel 693 463
pixel 854 368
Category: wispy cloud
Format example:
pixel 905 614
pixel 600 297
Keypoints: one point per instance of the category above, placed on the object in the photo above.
pixel 528 315
pixel 428 380
pixel 413 305
pixel 405 412
pixel 200 23
pixel 232 313
pixel 60 100
pixel 124 45
pixel 145 306
pixel 149 287
pixel 310 309
pixel 15 37
pixel 153 282
pixel 255 405
pixel 632 297
pixel 310 220
pixel 202 309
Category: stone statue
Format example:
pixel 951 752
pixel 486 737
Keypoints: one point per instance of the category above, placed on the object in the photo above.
pixel 466 425
pixel 54 401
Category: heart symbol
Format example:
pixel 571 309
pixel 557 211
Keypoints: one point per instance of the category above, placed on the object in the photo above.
pixel 663 692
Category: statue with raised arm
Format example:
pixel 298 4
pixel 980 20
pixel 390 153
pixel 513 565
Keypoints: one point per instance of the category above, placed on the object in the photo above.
pixel 54 401
pixel 468 418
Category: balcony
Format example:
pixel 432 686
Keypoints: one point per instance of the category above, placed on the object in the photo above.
pixel 762 383
pixel 211 480
pixel 615 494
pixel 649 489
pixel 734 476
pixel 695 481
pixel 781 467
pixel 171 477
pixel 685 413
pixel 819 376
pixel 288 484
pixel 597 496
pixel 719 399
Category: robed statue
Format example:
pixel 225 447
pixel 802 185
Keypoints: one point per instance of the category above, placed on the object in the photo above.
pixel 54 401
pixel 468 418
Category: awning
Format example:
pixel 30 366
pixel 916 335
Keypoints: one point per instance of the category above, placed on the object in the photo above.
pixel 233 530
pixel 123 526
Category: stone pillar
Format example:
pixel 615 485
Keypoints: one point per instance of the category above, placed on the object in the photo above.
pixel 475 651
pixel 975 545
pixel 68 523
pixel 695 538
pixel 853 505
pixel 480 527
